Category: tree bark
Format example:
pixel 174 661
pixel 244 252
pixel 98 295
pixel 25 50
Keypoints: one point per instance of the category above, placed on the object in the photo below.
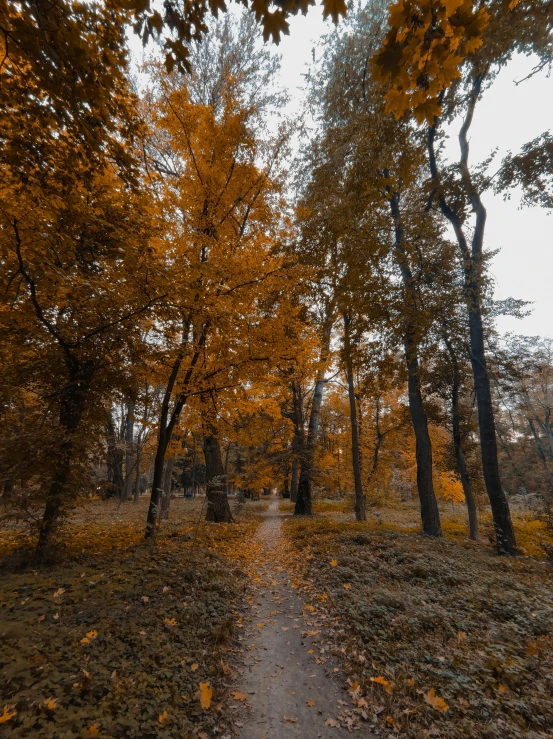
pixel 218 509
pixel 129 463
pixel 137 476
pixel 472 260
pixel 430 514
pixel 294 481
pixel 360 508
pixel 71 411
pixel 167 422
pixel 303 505
pixel 114 461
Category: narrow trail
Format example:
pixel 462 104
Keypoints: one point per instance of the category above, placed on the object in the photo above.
pixel 293 688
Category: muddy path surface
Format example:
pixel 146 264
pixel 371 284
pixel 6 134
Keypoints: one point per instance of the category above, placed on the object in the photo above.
pixel 289 686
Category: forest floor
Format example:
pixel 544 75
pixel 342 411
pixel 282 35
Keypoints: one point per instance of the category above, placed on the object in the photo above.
pixel 439 638
pixel 274 627
pixel 123 638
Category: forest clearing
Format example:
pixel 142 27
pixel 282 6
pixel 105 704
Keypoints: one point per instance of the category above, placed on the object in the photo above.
pixel 271 465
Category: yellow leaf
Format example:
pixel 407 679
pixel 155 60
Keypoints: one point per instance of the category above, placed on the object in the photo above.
pixel 50 704
pixel 310 702
pixel 335 8
pixel 9 712
pixel 92 634
pixel 290 719
pixel 206 692
pixel 59 592
pixel 461 635
pixel 226 669
pixel 194 667
pixel 310 651
pixel 382 681
pixel 333 563
pixel 84 640
pixel 162 718
pixel 347 585
pixel 238 696
pixel 94 730
pixel 437 703
pixel 170 621
pixel 502 688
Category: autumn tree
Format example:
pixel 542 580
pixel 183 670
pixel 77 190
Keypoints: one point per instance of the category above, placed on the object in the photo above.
pixel 216 175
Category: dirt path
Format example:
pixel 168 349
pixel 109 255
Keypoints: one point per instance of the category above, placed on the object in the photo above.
pixel 293 689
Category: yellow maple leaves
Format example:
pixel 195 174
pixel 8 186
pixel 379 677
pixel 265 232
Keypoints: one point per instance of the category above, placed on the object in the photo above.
pixel 437 703
pixel 89 637
pixel 425 46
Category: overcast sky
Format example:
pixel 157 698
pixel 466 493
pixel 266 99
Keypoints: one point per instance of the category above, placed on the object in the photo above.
pixel 507 117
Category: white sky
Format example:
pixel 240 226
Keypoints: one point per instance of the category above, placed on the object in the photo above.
pixel 507 117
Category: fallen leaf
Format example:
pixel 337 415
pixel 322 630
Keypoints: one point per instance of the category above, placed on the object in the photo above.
pixel 163 718
pixel 206 693
pixel 290 719
pixel 170 621
pixel 332 722
pixel 285 628
pixel 238 696
pixel 226 669
pixel 461 635
pixel 310 702
pixel 382 681
pixel 50 703
pixel 59 592
pixel 333 563
pixel 41 618
pixel 347 585
pixel 145 598
pixel 93 730
pixel 92 634
pixel 310 651
pixel 194 667
pixel 435 701
pixel 9 712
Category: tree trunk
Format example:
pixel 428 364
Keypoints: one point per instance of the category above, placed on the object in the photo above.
pixel 167 422
pixel 472 260
pixel 218 509
pixel 457 443
pixel 129 463
pixel 137 476
pixel 294 481
pixel 71 411
pixel 303 499
pixel 114 461
pixel 430 514
pixel 167 486
pixel 303 505
pixel 360 511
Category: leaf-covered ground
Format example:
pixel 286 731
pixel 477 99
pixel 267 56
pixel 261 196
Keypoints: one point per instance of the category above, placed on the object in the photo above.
pixel 123 639
pixel 440 638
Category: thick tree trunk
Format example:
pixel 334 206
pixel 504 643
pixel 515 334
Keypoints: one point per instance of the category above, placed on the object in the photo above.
pixel 472 260
pixel 137 476
pixel 295 480
pixel 303 505
pixel 129 462
pixel 303 499
pixel 167 486
pixel 218 509
pixel 360 509
pixel 430 514
pixel 71 411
